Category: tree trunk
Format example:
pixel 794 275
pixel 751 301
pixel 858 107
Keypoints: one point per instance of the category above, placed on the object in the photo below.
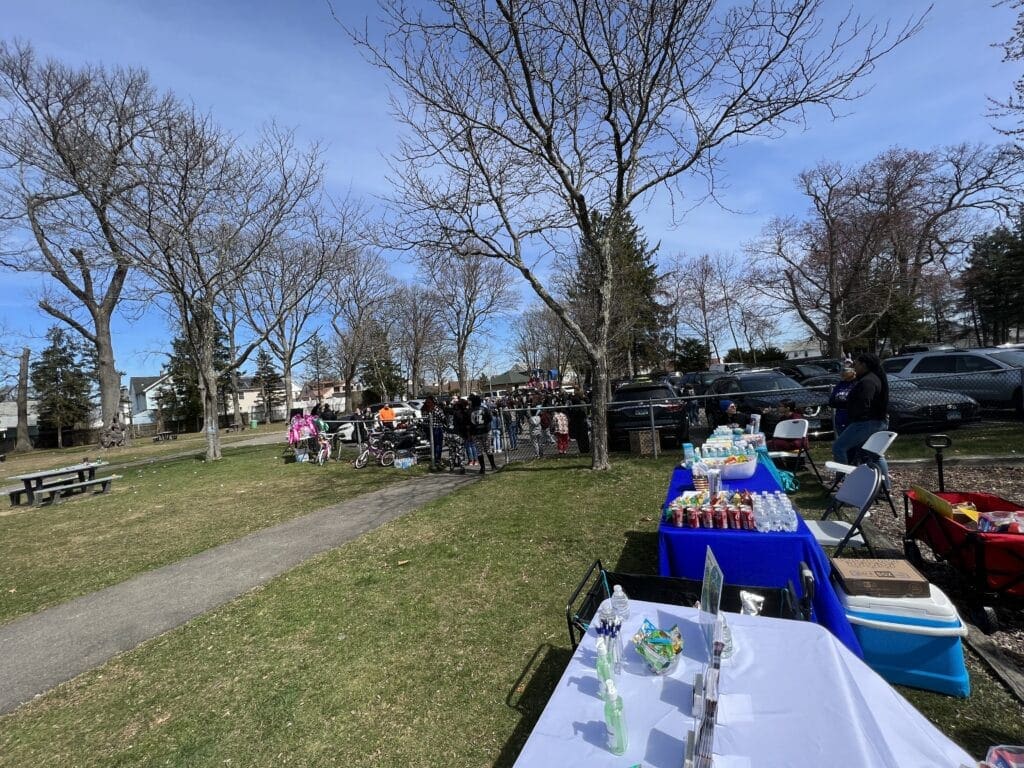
pixel 21 441
pixel 289 399
pixel 107 373
pixel 236 384
pixel 600 458
pixel 208 392
pixel 60 435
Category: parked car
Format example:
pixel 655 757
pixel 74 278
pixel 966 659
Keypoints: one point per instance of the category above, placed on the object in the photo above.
pixel 402 409
pixel 700 379
pixel 993 377
pixel 347 429
pixel 630 408
pixel 801 371
pixel 764 392
pixel 913 407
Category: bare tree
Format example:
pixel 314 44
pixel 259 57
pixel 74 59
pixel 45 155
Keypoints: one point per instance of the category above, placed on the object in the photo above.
pixel 470 290
pixel 212 211
pixel 527 116
pixel 854 265
pixel 68 144
pixel 543 341
pixel 418 328
pixel 358 295
pixel 22 441
pixel 286 288
pixel 694 286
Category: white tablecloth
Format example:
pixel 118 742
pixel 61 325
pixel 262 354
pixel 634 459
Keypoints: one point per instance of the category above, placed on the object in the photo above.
pixel 792 696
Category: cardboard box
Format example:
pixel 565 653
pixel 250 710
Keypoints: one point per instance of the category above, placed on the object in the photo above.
pixel 880 578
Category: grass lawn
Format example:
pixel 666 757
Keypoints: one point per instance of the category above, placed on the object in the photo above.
pixel 987 438
pixel 432 641
pixel 141 449
pixel 158 514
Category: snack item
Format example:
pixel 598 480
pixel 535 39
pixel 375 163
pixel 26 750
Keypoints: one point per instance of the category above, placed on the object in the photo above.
pixel 658 648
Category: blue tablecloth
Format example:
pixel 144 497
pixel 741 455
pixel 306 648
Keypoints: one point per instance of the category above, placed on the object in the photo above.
pixel 754 559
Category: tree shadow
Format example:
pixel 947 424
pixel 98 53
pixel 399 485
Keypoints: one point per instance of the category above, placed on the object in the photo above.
pixel 529 694
pixel 639 554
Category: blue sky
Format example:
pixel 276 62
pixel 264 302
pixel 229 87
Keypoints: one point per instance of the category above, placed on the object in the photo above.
pixel 259 60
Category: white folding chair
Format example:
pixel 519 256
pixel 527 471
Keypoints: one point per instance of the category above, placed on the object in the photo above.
pixel 876 445
pixel 858 490
pixel 794 429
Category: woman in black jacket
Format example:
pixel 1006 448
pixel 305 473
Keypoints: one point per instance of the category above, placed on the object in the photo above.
pixel 867 407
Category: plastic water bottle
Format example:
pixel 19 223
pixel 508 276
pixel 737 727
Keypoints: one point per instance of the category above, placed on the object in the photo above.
pixel 620 602
pixel 614 721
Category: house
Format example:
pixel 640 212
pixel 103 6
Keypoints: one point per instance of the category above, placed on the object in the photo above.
pixel 808 346
pixel 143 392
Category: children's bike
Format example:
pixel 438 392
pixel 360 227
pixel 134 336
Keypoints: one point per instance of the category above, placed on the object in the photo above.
pixel 378 447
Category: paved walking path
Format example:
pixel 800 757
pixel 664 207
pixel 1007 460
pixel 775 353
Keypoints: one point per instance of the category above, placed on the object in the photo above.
pixel 44 649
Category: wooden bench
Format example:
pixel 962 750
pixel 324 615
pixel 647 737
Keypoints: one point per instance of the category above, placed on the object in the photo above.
pixel 159 437
pixel 234 428
pixel 56 492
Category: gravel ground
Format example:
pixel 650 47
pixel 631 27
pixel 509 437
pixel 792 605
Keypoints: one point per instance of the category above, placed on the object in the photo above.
pixel 1004 481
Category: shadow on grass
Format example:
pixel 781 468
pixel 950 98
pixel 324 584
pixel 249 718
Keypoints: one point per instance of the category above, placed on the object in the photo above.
pixel 640 554
pixel 529 694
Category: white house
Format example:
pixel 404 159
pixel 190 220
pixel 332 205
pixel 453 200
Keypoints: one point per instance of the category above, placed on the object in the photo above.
pixel 809 346
pixel 143 392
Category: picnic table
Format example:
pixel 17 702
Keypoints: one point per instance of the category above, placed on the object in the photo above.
pixel 160 437
pixel 56 482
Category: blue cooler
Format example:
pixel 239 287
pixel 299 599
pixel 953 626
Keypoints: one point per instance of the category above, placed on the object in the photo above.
pixel 911 641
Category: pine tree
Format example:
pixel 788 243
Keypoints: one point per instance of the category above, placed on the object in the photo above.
pixel 637 338
pixel 180 402
pixel 62 383
pixel 269 382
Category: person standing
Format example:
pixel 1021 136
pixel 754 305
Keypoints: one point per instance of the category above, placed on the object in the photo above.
pixel 867 406
pixel 496 424
pixel 579 430
pixel 560 426
pixel 537 433
pixel 480 432
pixel 837 398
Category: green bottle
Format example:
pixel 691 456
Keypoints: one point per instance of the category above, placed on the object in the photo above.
pixel 614 722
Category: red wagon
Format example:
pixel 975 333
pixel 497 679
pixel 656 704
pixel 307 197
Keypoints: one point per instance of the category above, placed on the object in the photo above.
pixel 992 564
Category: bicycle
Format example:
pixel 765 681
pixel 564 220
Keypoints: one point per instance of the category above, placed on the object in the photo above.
pixel 324 454
pixel 383 451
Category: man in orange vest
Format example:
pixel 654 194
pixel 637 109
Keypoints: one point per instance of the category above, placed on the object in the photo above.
pixel 386 416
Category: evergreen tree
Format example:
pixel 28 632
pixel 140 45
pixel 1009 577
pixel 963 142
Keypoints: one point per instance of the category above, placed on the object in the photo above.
pixel 993 285
pixel 269 382
pixel 691 355
pixel 385 375
pixel 62 383
pixel 180 402
pixel 636 340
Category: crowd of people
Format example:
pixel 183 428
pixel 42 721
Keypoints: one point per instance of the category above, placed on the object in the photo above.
pixel 547 420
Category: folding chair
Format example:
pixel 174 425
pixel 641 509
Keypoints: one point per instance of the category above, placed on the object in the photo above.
pixel 794 429
pixel 859 490
pixel 875 446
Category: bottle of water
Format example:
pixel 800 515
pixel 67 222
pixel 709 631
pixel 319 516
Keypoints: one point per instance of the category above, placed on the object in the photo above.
pixel 620 602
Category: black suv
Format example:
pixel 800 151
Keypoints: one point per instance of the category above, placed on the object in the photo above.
pixel 630 409
pixel 764 392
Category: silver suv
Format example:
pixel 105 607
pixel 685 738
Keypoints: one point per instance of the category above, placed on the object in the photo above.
pixel 993 377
